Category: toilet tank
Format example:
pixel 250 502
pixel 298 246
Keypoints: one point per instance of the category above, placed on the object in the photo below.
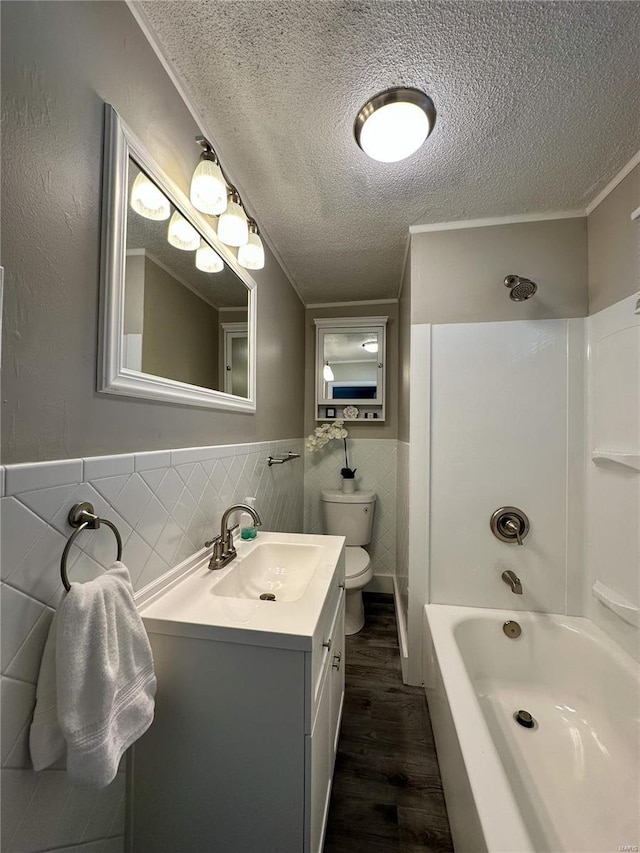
pixel 349 515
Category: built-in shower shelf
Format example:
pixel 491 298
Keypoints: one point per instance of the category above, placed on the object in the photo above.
pixel 629 460
pixel 620 605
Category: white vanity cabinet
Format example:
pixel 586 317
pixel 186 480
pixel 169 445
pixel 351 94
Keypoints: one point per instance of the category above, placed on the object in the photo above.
pixel 240 756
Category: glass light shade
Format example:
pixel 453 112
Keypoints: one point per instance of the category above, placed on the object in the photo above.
pixel 148 200
pixel 251 255
pixel 394 132
pixel 327 373
pixel 207 259
pixel 233 227
pixel 371 346
pixel 181 234
pixel 208 188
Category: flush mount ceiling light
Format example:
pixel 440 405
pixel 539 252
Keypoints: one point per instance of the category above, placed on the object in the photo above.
pixel 207 259
pixel 208 186
pixel 327 373
pixel 371 346
pixel 251 255
pixel 394 124
pixel 147 200
pixel 181 234
pixel 233 226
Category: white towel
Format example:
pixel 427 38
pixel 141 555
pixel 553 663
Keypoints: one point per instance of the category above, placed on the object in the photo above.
pixel 99 659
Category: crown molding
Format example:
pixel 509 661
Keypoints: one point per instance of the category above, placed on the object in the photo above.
pixel 351 304
pixel 613 183
pixel 495 220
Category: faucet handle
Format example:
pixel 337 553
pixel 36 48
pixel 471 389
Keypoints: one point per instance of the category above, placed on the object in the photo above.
pixel 212 541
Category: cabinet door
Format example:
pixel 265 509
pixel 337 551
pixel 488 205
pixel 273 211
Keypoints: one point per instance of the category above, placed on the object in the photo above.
pixel 321 769
pixel 337 676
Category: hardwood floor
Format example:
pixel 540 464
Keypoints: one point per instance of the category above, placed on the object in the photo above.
pixel 387 794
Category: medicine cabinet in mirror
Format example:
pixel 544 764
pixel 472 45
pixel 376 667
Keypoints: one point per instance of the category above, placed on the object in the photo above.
pixel 350 361
pixel 178 311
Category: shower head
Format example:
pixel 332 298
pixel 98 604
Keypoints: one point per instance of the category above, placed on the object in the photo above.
pixel 521 288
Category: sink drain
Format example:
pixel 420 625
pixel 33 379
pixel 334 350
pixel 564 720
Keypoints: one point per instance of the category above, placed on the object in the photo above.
pixel 267 596
pixel 524 718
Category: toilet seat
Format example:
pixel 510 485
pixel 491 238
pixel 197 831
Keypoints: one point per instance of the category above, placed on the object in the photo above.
pixel 357 562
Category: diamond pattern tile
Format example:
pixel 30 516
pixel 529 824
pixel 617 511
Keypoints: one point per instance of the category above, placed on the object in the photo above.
pixel 375 461
pixel 164 514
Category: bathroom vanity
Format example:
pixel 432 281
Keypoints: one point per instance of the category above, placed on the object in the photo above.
pixel 240 756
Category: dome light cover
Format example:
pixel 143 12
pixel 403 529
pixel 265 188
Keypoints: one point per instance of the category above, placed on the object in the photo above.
pixel 148 200
pixel 371 346
pixel 181 234
pixel 394 124
pixel 207 259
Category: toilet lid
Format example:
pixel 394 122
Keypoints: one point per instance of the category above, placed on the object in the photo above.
pixel 356 561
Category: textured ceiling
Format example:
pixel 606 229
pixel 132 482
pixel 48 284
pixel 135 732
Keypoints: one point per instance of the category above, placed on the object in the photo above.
pixel 538 107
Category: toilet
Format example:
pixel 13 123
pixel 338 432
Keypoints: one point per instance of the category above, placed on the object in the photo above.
pixel 351 515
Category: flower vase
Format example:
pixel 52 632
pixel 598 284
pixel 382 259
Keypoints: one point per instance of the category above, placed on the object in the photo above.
pixel 348 485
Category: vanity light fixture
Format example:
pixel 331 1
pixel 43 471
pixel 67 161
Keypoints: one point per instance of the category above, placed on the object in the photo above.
pixel 207 259
pixel 371 346
pixel 233 226
pixel 148 200
pixel 181 234
pixel 251 255
pixel 208 186
pixel 394 123
pixel 327 373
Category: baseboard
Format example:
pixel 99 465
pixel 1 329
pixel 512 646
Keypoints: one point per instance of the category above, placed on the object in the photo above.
pixel 381 583
pixel 402 631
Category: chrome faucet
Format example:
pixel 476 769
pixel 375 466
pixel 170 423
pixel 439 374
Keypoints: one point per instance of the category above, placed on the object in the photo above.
pixel 513 581
pixel 223 550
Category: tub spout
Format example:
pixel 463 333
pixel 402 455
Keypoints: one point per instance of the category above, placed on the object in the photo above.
pixel 512 580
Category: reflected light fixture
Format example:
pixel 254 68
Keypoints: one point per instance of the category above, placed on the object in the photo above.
pixel 208 186
pixel 394 124
pixel 148 200
pixel 233 227
pixel 371 346
pixel 327 373
pixel 251 255
pixel 181 234
pixel 207 259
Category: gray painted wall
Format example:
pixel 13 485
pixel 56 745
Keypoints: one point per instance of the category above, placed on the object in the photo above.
pixel 614 245
pixel 180 338
pixel 60 61
pixel 457 276
pixel 370 429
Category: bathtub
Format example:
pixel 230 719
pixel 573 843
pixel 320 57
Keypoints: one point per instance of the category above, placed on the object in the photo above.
pixel 571 783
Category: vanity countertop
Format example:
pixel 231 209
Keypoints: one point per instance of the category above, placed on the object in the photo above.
pixel 187 604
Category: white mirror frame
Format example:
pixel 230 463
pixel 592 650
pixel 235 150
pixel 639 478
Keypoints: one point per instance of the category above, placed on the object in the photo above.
pixel 113 377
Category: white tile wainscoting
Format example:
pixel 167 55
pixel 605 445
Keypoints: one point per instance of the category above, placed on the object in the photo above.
pixel 165 505
pixel 375 460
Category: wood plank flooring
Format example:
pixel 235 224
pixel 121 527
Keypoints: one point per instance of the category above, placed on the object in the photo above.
pixel 387 794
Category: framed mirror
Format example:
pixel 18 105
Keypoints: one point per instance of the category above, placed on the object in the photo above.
pixel 171 291
pixel 350 359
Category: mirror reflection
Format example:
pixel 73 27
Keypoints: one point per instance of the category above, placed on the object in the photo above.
pixel 185 310
pixel 350 370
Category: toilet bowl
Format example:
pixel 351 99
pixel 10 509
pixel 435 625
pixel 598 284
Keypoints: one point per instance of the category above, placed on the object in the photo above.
pixel 351 515
pixel 358 573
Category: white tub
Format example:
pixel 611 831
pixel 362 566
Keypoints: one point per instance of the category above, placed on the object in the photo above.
pixel 572 783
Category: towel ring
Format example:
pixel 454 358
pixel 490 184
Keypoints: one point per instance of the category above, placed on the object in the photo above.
pixel 82 516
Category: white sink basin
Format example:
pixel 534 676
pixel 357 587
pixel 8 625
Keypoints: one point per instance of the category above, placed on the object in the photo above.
pixel 278 569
